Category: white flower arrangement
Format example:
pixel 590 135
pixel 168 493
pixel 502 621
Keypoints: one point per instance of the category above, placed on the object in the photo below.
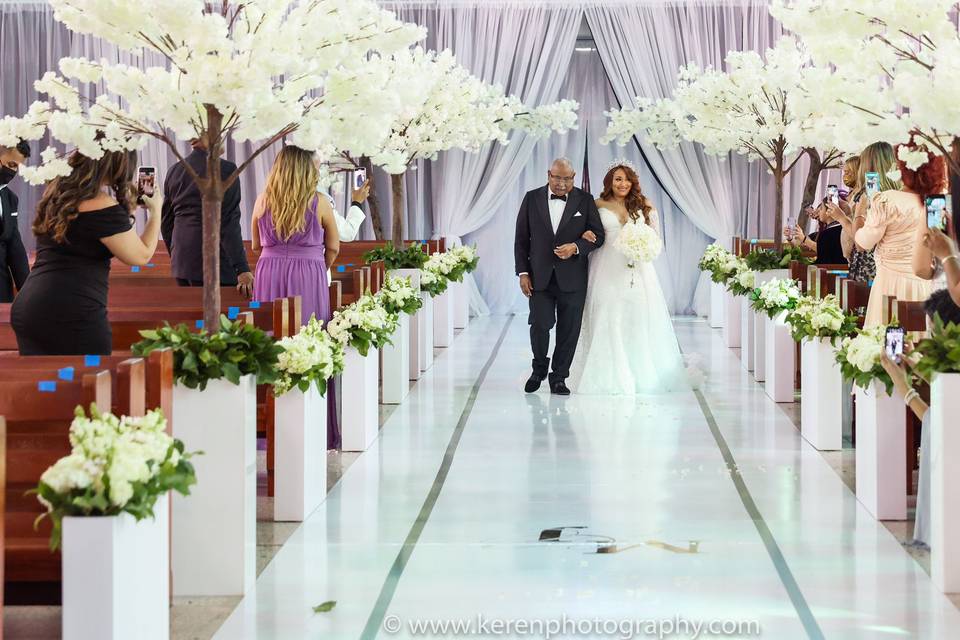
pixel 819 318
pixel 397 296
pixel 310 357
pixel 859 358
pixel 117 465
pixel 363 324
pixel 776 296
pixel 467 255
pixel 638 242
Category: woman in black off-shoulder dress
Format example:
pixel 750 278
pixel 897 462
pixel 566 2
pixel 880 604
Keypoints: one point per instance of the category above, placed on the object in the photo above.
pixel 82 222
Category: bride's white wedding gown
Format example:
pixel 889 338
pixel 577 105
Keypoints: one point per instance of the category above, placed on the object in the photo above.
pixel 627 342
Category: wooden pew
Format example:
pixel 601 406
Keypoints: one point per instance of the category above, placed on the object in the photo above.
pixel 913 319
pixel 822 279
pixel 854 297
pixel 37 436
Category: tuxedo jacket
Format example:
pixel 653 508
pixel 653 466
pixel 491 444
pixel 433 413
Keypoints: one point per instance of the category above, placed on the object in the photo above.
pixel 535 239
pixel 181 222
pixel 14 266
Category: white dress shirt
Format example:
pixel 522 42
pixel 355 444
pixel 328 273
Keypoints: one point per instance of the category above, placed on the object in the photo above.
pixel 349 226
pixel 556 210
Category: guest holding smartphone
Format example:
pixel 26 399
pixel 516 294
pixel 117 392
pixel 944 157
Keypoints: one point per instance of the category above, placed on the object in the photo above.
pixel 14 266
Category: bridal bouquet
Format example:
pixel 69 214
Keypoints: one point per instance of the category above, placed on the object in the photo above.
pixel 310 357
pixel 363 324
pixel 859 358
pixel 639 243
pixel 820 318
pixel 397 296
pixel 117 465
pixel 776 296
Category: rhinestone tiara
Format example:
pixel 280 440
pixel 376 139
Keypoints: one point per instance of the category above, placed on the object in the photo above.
pixel 621 162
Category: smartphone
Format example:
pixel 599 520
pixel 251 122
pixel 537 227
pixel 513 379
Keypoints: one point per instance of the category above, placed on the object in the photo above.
pixel 894 343
pixel 937 211
pixel 833 193
pixel 146 182
pixel 359 177
pixel 873 184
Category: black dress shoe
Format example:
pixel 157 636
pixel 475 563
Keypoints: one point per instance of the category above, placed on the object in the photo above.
pixel 533 384
pixel 559 389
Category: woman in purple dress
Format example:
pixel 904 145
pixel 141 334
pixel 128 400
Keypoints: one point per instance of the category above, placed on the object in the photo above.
pixel 295 233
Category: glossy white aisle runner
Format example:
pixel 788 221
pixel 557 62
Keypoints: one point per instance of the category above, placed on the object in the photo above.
pixel 704 506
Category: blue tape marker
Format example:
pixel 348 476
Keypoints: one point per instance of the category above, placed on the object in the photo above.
pixel 47 386
pixel 254 305
pixel 341 269
pixel 233 312
pixel 91 361
pixel 753 242
pixel 199 324
pixel 66 374
pixel 135 269
pixel 870 284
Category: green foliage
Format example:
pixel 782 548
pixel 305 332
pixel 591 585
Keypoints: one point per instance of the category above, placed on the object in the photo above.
pixel 325 607
pixel 767 259
pixel 236 350
pixel 940 353
pixel 820 318
pixel 864 350
pixel 411 257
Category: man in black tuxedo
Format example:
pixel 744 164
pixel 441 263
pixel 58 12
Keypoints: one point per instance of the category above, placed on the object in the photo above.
pixel 551 260
pixel 14 267
pixel 181 225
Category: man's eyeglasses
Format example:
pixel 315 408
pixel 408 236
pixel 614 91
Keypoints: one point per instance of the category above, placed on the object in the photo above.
pixel 560 178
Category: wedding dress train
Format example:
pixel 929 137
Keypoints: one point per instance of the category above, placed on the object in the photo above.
pixel 627 342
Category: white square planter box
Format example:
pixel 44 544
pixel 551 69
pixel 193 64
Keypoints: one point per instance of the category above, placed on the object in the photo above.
pixel 443 319
pixel 731 325
pixel 461 304
pixel 426 332
pixel 361 417
pixel 395 358
pixel 215 527
pixel 300 454
pixel 759 326
pixel 881 452
pixel 821 408
pixel 116 576
pixel 413 351
pixel 718 298
pixel 780 353
pixel 945 482
pixel 747 330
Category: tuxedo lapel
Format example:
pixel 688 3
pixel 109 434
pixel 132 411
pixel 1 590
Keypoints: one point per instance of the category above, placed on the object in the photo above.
pixel 573 203
pixel 543 209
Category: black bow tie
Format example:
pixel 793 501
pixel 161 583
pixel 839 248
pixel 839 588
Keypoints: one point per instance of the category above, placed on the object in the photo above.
pixel 556 197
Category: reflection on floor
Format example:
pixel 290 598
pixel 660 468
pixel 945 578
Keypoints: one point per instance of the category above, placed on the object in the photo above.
pixel 480 500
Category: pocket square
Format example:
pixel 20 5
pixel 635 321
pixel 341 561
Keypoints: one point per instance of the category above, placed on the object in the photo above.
pixel 577 215
pixel 14 214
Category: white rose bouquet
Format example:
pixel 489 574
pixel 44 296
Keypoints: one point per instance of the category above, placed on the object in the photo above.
pixel 859 358
pixel 639 242
pixel 435 275
pixel 743 280
pixel 117 465
pixel 820 318
pixel 397 296
pixel 467 256
pixel 713 255
pixel 363 324
pixel 776 296
pixel 310 357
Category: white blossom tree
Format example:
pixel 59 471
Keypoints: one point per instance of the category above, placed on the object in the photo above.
pixel 247 70
pixel 746 110
pixel 440 106
pixel 893 65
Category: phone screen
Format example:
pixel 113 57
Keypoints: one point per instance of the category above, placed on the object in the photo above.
pixel 146 182
pixel 359 177
pixel 833 194
pixel 873 183
pixel 937 212
pixel 894 344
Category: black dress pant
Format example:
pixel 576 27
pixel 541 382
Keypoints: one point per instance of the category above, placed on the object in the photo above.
pixel 564 309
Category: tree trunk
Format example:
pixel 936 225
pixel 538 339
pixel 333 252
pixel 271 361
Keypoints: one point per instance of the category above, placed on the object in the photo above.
pixel 212 193
pixel 396 184
pixel 375 218
pixel 778 176
pixel 810 186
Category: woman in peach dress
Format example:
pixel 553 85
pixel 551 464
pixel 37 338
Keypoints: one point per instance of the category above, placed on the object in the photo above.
pixel 891 228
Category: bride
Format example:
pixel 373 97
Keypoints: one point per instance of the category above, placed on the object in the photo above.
pixel 627 342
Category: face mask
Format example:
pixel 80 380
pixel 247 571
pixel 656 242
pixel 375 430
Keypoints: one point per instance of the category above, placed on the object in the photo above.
pixel 7 174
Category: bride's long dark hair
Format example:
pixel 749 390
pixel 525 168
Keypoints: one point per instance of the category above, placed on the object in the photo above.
pixel 636 203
